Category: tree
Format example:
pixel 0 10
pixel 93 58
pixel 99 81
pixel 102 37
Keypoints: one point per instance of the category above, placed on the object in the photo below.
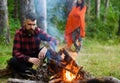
pixel 25 7
pixel 41 12
pixel 16 8
pixel 106 8
pixel 88 7
pixel 97 10
pixel 4 20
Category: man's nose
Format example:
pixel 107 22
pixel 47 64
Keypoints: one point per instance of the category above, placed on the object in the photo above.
pixel 33 27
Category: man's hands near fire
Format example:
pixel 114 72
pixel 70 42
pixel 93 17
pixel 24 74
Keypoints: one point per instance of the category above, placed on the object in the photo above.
pixel 41 55
pixel 35 61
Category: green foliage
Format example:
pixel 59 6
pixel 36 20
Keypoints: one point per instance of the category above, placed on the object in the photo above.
pixel 103 29
pixel 5 54
pixel 2 38
pixel 11 7
pixel 14 25
pixel 59 23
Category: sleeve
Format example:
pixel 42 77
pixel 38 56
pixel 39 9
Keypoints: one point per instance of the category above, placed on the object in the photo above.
pixel 82 22
pixel 17 47
pixel 51 40
pixel 46 37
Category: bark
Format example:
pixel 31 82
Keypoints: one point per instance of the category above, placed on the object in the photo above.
pixel 25 7
pixel 106 8
pixel 4 26
pixel 97 10
pixel 16 8
pixel 88 7
pixel 41 12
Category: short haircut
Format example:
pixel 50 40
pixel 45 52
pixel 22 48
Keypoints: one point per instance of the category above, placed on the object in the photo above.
pixel 31 16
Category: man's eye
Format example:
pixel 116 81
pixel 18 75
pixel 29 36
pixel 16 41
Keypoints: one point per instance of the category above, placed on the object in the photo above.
pixel 31 24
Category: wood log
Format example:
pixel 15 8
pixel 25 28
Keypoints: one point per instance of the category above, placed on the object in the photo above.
pixel 105 79
pixel 15 80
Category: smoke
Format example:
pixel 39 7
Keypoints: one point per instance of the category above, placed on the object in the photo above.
pixel 49 14
pixel 55 11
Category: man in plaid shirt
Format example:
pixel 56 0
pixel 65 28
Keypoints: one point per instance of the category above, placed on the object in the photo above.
pixel 26 47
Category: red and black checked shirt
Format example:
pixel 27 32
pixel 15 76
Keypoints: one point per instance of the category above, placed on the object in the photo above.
pixel 28 45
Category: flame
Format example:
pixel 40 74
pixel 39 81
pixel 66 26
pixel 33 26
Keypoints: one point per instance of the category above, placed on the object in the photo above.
pixel 69 76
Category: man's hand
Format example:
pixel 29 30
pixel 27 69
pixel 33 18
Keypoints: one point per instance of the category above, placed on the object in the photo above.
pixel 35 61
pixel 42 53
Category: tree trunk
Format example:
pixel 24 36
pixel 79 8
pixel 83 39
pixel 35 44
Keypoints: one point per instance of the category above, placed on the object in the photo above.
pixel 25 7
pixel 88 7
pixel 16 8
pixel 4 20
pixel 97 10
pixel 41 12
pixel 106 8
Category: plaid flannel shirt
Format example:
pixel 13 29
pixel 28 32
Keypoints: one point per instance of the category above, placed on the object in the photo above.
pixel 28 45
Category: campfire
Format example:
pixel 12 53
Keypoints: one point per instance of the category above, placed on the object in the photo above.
pixel 64 68
pixel 69 74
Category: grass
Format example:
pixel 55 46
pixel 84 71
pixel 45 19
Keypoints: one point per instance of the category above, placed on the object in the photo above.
pixel 96 58
pixel 100 60
pixel 5 54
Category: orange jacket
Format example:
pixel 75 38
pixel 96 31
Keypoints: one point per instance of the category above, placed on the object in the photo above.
pixel 75 19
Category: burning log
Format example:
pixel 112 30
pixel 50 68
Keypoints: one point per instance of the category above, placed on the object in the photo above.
pixel 64 68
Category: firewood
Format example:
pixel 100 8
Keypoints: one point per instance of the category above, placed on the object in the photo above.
pixel 55 80
pixel 13 80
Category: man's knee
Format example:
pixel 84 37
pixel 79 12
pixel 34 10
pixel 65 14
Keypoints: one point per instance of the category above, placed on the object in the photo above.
pixel 12 61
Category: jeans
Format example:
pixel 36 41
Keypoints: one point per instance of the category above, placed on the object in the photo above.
pixel 76 38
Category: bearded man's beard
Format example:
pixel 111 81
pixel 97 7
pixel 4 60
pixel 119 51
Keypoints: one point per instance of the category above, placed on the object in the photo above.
pixel 31 31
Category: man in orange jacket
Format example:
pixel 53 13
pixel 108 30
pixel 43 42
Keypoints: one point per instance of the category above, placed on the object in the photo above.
pixel 75 27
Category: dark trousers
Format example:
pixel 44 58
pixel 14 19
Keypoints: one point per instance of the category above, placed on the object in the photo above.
pixel 20 67
pixel 77 38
